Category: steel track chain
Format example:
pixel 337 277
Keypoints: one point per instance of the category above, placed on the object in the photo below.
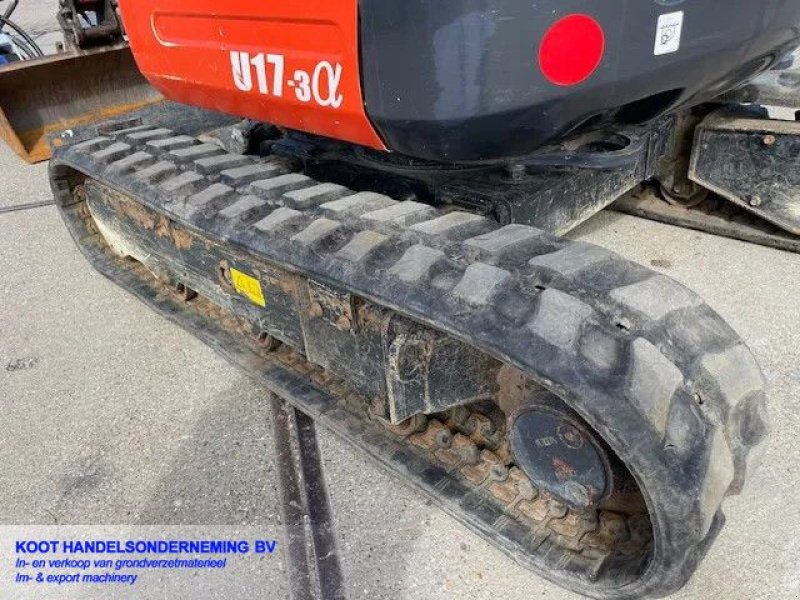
pixel 466 442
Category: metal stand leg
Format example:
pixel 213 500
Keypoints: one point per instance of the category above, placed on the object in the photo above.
pixel 311 554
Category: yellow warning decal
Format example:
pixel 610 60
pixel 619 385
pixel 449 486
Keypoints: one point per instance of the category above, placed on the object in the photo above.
pixel 248 286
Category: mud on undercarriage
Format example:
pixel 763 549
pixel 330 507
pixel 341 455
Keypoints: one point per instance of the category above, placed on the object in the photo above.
pixel 579 411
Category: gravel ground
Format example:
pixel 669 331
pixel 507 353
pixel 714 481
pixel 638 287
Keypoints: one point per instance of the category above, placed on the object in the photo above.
pixel 111 416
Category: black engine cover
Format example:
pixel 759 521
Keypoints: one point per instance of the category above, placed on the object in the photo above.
pixel 463 80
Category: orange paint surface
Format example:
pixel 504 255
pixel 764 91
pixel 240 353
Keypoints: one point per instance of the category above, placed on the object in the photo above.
pixel 290 64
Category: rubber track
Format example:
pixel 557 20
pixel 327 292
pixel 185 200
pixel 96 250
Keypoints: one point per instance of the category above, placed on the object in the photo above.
pixel 644 360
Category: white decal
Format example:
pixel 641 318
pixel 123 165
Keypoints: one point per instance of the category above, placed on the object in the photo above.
pixel 668 33
pixel 303 83
pixel 333 75
pixel 321 85
pixel 276 60
pixel 259 62
pixel 240 63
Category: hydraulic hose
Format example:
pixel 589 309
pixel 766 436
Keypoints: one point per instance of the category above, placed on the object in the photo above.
pixel 22 33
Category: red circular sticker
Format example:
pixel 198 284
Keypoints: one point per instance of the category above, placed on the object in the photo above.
pixel 571 50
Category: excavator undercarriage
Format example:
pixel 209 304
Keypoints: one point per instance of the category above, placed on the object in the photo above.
pixel 380 243
pixel 583 413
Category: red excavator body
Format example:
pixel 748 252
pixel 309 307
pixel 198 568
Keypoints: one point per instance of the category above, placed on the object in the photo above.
pixel 456 80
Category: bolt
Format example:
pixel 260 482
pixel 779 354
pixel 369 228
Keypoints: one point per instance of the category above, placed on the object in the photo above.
pixel 576 494
pixel 516 172
pixel 268 342
pixel 570 436
pixel 770 140
pixel 755 200
pixel 682 189
pixel 502 214
pixel 444 439
pixel 184 292
pixel 415 424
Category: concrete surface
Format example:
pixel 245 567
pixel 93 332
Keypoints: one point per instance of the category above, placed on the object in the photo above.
pixel 111 416
pixel 38 18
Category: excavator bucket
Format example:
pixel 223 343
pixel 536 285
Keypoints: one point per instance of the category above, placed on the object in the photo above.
pixel 44 96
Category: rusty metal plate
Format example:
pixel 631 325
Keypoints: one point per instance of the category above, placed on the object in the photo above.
pixel 753 163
